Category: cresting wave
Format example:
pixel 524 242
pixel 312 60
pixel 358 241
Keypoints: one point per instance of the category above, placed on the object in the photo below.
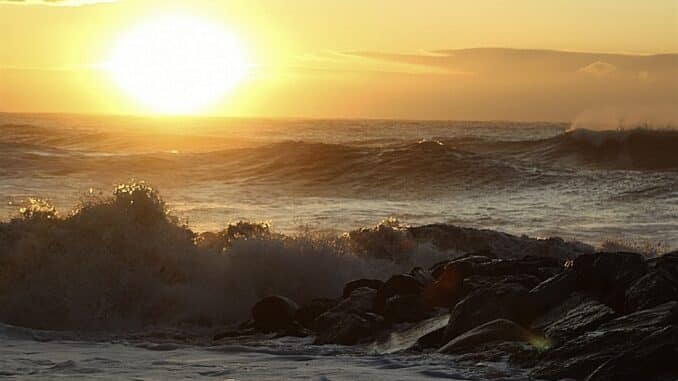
pixel 124 262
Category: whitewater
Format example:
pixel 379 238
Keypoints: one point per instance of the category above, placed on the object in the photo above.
pixel 122 254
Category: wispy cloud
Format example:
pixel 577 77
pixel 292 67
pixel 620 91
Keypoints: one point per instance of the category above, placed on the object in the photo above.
pixel 57 3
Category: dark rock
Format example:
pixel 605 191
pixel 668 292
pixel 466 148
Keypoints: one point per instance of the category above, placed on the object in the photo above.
pixel 653 358
pixel 406 308
pixel 495 330
pixel 608 275
pixel 307 314
pixel 347 329
pixel 580 356
pixel 358 283
pixel 350 321
pixel 447 289
pixel 553 291
pixel 422 276
pixel 273 313
pixel 657 287
pixel 481 306
pixel 585 316
pixel 477 282
pixel 401 284
pixel 295 329
pixel 407 337
pixel 540 267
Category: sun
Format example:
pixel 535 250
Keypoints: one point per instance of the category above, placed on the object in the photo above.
pixel 178 64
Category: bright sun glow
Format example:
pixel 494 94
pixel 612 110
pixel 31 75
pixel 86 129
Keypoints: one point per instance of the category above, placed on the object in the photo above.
pixel 178 64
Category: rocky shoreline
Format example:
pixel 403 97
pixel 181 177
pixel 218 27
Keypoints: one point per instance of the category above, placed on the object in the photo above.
pixel 593 316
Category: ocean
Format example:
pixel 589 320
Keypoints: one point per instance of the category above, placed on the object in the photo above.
pixel 79 253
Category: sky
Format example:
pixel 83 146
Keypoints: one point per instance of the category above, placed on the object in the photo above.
pixel 426 59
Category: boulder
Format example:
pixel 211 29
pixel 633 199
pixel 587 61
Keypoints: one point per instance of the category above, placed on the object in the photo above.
pixel 273 313
pixel 653 358
pixel 484 305
pixel 352 320
pixel 406 308
pixel 657 287
pixel 358 283
pixel 348 329
pixel 608 275
pixel 307 314
pixel 553 291
pixel 447 288
pixel 537 266
pixel 401 284
pixel 580 356
pixel 495 330
pixel 585 315
pixel 422 276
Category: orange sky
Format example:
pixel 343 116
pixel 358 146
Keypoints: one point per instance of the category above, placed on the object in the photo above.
pixel 397 59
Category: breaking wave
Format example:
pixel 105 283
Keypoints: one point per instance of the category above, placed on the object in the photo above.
pixel 124 262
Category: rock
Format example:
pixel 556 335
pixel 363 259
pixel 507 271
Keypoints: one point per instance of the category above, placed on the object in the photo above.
pixel 585 316
pixel 608 275
pixel 358 283
pixel 657 287
pixel 361 300
pixel 307 314
pixel 411 337
pixel 350 321
pixel 273 313
pixel 348 329
pixel 580 356
pixel 481 306
pixel 447 288
pixel 653 358
pixel 401 284
pixel 539 267
pixel 553 291
pixel 406 308
pixel 495 330
pixel 477 282
pixel 422 276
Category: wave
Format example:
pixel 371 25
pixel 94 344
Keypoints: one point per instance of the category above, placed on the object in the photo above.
pixel 124 262
pixel 638 148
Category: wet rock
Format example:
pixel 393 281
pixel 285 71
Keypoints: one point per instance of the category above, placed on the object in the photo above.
pixel 655 288
pixel 495 330
pixel 295 329
pixel 350 321
pixel 401 284
pixel 481 306
pixel 358 283
pixel 307 314
pixel 477 282
pixel 608 275
pixel 653 358
pixel 410 337
pixel 406 308
pixel 554 290
pixel 580 356
pixel 447 288
pixel 347 329
pixel 586 315
pixel 539 267
pixel 422 276
pixel 274 313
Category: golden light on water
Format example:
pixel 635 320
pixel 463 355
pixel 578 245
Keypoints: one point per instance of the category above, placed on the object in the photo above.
pixel 178 64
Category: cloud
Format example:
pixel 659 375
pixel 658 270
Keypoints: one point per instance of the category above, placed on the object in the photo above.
pixel 57 3
pixel 598 68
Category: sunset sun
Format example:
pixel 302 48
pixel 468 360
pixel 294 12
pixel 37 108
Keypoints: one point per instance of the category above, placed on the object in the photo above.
pixel 178 64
